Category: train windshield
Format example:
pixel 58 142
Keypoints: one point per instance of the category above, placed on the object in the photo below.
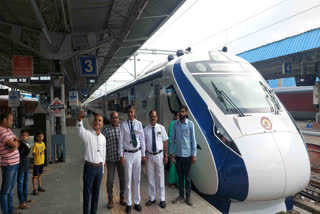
pixel 235 93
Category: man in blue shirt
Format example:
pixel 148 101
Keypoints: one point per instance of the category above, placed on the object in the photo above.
pixel 186 150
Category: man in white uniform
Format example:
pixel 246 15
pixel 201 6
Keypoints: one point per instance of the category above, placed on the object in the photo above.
pixel 132 151
pixel 157 155
pixel 94 155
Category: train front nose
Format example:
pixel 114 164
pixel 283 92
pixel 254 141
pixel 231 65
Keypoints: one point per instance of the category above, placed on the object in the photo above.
pixel 295 160
pixel 277 164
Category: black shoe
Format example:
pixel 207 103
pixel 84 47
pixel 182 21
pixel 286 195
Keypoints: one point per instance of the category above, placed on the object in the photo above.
pixel 128 209
pixel 163 204
pixel 178 200
pixel 138 207
pixel 189 201
pixel 123 201
pixel 149 203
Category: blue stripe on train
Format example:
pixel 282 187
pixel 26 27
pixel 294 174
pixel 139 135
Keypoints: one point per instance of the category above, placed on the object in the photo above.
pixel 233 177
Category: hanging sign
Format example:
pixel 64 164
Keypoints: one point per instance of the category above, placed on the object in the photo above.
pixel 88 66
pixel 14 99
pixel 22 66
pixel 73 98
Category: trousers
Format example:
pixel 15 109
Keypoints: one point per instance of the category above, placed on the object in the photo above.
pixel 156 176
pixel 132 169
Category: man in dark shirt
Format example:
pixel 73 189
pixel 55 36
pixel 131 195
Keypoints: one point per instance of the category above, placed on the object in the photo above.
pixel 23 171
pixel 112 134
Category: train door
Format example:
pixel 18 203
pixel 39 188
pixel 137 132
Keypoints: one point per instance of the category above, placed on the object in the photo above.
pixel 173 99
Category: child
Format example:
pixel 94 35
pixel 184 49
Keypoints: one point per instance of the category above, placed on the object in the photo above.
pixel 38 154
pixel 23 172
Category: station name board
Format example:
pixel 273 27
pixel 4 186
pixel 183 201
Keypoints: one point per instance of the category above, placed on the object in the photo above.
pixel 40 80
pixel 31 80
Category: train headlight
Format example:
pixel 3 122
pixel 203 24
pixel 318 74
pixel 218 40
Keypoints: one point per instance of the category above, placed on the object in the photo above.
pixel 225 138
pixel 222 134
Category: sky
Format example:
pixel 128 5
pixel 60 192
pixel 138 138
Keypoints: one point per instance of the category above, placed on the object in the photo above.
pixel 207 25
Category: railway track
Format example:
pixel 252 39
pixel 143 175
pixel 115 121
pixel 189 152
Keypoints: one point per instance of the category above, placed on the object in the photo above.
pixel 309 198
pixel 311 192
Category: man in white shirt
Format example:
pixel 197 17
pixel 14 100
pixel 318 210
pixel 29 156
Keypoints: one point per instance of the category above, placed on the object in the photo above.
pixel 157 155
pixel 131 142
pixel 94 155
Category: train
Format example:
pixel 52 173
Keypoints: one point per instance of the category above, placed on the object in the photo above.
pixel 251 155
pixel 298 101
pixel 25 110
pixel 27 104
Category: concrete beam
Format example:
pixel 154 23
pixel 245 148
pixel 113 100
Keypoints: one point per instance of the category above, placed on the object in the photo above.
pixel 37 13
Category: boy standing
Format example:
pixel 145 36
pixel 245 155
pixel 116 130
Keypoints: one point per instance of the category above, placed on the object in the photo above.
pixel 38 154
pixel 23 172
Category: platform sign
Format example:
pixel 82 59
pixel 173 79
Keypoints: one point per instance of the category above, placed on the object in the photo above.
pixel 22 66
pixel 84 92
pixel 88 66
pixel 73 98
pixel 286 68
pixel 57 107
pixel 14 99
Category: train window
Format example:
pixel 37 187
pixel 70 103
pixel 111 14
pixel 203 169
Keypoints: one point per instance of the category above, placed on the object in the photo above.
pixel 173 99
pixel 144 104
pixel 232 92
pixel 213 67
pixel 116 107
pixel 110 102
pixel 132 96
pixel 124 102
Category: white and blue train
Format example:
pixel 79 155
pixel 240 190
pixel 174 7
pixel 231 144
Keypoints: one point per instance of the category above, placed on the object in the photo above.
pixel 251 155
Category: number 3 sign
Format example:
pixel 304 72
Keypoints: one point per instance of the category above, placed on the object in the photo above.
pixel 88 66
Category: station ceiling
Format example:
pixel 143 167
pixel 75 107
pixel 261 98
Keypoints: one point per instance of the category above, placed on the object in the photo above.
pixel 57 32
pixel 298 55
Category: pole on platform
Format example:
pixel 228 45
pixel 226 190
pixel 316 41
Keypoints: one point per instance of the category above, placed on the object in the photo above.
pixel 52 125
pixel 63 99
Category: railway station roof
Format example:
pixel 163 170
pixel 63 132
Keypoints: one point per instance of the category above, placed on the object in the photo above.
pixel 299 53
pixel 298 43
pixel 55 32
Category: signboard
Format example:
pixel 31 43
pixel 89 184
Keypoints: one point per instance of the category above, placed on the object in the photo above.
pixel 22 66
pixel 88 66
pixel 18 80
pixel 91 81
pixel 40 80
pixel 286 68
pixel 73 98
pixel 84 92
pixel 57 107
pixel 3 80
pixel 14 99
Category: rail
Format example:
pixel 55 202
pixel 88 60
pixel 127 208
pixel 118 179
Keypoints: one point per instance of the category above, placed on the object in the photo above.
pixel 310 133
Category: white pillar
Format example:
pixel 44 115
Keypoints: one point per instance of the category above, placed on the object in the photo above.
pixel 135 66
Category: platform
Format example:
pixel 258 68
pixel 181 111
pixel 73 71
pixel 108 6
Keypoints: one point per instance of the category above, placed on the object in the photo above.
pixel 63 182
pixel 309 139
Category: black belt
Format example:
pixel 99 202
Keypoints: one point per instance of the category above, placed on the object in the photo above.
pixel 154 153
pixel 132 151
